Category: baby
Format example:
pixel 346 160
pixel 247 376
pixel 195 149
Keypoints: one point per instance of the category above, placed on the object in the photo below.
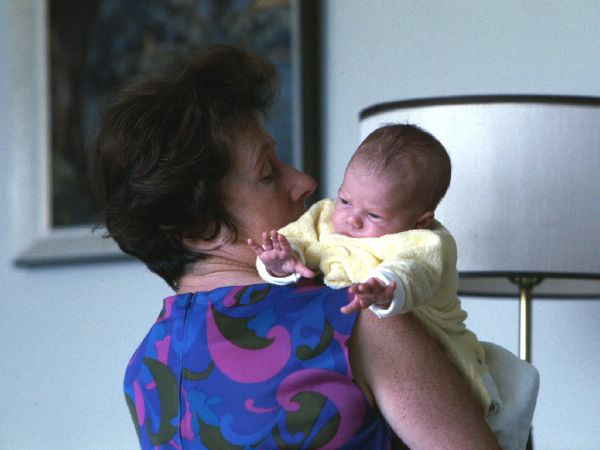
pixel 380 237
pixel 392 184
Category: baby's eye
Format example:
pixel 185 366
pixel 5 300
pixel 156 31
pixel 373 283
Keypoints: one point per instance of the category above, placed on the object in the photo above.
pixel 374 216
pixel 343 201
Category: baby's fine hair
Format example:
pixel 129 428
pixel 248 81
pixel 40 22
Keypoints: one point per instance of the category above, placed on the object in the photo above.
pixel 411 155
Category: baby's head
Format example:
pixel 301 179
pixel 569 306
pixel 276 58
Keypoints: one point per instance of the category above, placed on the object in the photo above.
pixel 393 183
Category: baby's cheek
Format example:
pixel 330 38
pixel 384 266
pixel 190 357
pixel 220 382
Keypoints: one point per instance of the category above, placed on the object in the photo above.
pixel 335 222
pixel 377 230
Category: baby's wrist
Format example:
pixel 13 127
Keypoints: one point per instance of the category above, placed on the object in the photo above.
pixel 278 274
pixel 384 304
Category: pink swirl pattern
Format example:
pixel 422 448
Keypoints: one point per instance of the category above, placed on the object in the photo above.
pixel 340 390
pixel 140 405
pixel 259 365
pixel 168 306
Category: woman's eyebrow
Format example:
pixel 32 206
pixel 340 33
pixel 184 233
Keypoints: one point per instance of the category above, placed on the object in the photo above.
pixel 258 158
pixel 261 152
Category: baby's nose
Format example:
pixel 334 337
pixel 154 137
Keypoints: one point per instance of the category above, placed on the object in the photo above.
pixel 354 221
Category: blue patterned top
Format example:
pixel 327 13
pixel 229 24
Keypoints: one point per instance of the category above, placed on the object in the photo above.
pixel 251 367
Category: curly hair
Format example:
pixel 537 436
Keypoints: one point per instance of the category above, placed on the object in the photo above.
pixel 163 145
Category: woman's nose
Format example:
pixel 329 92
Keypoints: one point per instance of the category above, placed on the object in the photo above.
pixel 301 185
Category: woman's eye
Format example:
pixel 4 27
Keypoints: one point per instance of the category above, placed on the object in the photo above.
pixel 269 177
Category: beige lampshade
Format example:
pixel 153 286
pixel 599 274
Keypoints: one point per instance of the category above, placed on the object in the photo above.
pixel 525 193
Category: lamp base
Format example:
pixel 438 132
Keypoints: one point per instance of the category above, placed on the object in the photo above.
pixel 526 285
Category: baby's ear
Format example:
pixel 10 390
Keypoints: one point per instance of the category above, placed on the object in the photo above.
pixel 426 220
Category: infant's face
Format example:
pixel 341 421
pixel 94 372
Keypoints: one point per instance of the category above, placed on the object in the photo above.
pixel 369 205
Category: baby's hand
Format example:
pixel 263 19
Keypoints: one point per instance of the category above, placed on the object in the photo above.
pixel 372 292
pixel 277 255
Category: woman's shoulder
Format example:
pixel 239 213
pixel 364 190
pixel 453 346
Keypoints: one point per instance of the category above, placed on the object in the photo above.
pixel 298 296
pixel 309 298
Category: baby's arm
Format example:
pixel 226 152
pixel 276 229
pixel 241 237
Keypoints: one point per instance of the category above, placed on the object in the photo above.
pixel 421 264
pixel 278 257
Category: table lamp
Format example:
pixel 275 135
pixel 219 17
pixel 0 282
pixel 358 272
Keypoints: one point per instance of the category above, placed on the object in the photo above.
pixel 524 200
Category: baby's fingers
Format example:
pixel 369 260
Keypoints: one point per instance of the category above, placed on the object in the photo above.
pixel 274 240
pixel 255 246
pixel 351 307
pixel 360 288
pixel 389 290
pixel 305 271
pixel 267 244
pixel 284 244
pixel 376 285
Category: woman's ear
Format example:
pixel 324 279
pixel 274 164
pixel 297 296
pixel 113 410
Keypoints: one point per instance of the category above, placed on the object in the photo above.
pixel 425 221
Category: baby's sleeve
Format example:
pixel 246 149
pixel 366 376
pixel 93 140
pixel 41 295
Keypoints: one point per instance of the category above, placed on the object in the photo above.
pixel 423 264
pixel 279 281
pixel 398 303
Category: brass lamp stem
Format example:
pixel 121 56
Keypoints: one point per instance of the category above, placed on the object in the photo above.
pixel 526 285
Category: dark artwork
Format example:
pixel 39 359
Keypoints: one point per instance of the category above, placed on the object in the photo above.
pixel 96 45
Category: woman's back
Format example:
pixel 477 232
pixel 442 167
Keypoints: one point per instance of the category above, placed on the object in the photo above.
pixel 260 366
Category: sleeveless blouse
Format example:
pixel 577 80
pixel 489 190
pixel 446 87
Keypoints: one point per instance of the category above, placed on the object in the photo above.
pixel 251 367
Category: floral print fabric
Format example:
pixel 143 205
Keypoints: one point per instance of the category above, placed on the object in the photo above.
pixel 253 367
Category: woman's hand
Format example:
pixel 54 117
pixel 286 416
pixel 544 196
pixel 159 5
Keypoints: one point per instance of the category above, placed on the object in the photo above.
pixel 277 255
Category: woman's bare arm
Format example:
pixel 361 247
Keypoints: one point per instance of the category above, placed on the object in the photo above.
pixel 419 392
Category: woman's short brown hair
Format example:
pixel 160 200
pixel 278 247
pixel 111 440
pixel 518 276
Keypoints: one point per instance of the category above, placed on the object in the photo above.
pixel 162 147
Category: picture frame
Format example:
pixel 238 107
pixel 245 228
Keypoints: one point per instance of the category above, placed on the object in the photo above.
pixel 41 241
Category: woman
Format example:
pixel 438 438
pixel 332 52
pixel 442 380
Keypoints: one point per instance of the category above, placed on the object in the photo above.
pixel 187 173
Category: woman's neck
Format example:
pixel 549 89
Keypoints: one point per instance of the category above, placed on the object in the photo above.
pixel 225 267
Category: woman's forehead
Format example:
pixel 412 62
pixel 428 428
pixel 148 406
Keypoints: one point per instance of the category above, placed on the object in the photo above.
pixel 251 146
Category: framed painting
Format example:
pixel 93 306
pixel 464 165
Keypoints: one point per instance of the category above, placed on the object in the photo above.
pixel 88 49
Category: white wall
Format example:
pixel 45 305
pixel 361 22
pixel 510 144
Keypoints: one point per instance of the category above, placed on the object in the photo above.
pixel 389 50
pixel 67 332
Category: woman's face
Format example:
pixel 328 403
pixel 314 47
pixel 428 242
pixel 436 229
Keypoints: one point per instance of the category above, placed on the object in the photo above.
pixel 261 192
